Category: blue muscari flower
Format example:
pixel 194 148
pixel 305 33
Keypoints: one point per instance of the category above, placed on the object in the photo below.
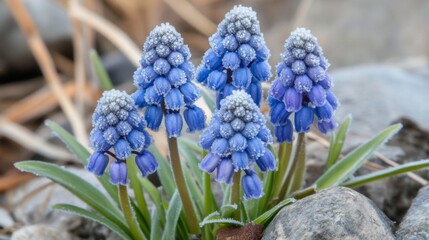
pixel 237 58
pixel 236 138
pixel 117 125
pixel 302 88
pixel 252 185
pixel 163 82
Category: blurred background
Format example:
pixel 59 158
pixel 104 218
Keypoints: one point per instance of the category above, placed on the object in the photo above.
pixel 378 50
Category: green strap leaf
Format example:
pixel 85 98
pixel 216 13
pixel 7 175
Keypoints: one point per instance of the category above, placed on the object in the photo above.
pixel 76 185
pixel 266 217
pixel 337 142
pixel 155 196
pixel 94 217
pixel 164 172
pixel 82 154
pixel 192 154
pixel 102 75
pixel 389 172
pixel 343 169
pixel 155 230
pixel 173 213
pixel 223 221
pixel 74 146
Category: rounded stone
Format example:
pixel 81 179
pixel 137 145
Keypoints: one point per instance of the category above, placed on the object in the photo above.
pixel 335 213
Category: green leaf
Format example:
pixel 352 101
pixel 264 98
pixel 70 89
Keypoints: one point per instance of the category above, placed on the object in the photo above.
pixel 227 210
pixel 266 217
pixel 82 154
pixel 191 151
pixel 284 158
pixel 173 213
pixel 102 75
pixel 141 207
pixel 74 146
pixel 94 217
pixel 197 196
pixel 76 185
pixel 155 230
pixel 385 173
pixel 343 169
pixel 337 142
pixel 208 99
pixel 155 196
pixel 222 221
pixel 164 172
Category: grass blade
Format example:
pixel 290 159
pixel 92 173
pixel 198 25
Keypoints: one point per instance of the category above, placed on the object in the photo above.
pixel 71 143
pixel 82 154
pixel 164 172
pixel 76 185
pixel 266 217
pixel 343 169
pixel 173 213
pixel 337 142
pixel 385 173
pixel 155 230
pixel 94 217
pixel 102 75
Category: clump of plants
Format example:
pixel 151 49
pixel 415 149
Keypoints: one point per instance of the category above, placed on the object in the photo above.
pixel 259 164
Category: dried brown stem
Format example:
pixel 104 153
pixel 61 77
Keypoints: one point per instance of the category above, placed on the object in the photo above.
pixel 191 15
pixel 46 64
pixel 108 30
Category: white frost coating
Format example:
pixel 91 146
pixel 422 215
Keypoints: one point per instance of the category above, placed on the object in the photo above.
pixel 165 38
pixel 240 18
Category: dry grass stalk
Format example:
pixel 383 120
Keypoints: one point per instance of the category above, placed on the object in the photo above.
pixel 192 16
pixel 46 64
pixel 108 30
pixel 31 141
pixel 40 103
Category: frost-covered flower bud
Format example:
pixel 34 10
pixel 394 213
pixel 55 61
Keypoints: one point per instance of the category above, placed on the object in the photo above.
pixel 252 185
pixel 118 173
pixel 117 125
pixel 97 163
pixel 164 84
pixel 236 138
pixel 238 56
pixel 303 86
pixel 146 162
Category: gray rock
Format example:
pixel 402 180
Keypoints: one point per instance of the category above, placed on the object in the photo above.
pixel 376 95
pixel 348 32
pixel 53 24
pixel 394 195
pixel 41 232
pixel 335 213
pixel 415 225
pixel 6 220
pixel 31 203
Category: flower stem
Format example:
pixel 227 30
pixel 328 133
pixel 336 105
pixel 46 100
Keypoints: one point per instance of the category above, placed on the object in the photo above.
pixel 285 152
pixel 181 186
pixel 128 212
pixel 139 195
pixel 299 156
pixel 235 194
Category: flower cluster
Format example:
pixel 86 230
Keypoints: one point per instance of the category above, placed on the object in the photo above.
pixel 118 125
pixel 236 138
pixel 164 84
pixel 238 56
pixel 302 87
